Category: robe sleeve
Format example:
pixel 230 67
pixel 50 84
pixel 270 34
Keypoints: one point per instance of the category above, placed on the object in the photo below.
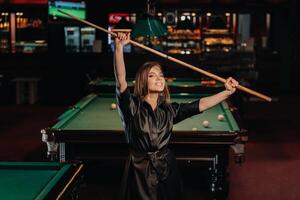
pixel 126 103
pixel 181 111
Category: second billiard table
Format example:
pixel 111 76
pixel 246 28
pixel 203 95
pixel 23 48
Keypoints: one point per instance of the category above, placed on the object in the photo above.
pixel 91 130
pixel 39 180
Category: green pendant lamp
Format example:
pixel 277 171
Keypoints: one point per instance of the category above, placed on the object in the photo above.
pixel 148 25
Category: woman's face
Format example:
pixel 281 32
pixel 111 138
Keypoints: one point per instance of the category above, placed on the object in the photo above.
pixel 156 80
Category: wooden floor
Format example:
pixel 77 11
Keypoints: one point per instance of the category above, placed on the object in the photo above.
pixel 271 170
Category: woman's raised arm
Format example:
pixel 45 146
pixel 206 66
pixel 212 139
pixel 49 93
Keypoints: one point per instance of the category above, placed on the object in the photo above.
pixel 119 65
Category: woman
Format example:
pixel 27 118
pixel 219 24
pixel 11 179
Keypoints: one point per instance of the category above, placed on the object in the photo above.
pixel 148 116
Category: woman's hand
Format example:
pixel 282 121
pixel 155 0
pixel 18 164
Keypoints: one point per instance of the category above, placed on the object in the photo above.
pixel 231 85
pixel 122 39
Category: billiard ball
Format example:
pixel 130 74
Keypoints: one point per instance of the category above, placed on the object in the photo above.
pixel 205 124
pixel 194 129
pixel 113 106
pixel 220 117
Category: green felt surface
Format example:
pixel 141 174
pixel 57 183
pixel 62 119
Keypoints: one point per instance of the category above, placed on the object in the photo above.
pixel 29 180
pixel 95 113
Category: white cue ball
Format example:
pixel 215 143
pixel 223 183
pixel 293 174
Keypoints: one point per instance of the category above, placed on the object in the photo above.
pixel 113 106
pixel 220 117
pixel 194 129
pixel 205 123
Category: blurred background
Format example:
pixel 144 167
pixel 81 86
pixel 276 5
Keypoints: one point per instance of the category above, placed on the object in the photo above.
pixel 48 62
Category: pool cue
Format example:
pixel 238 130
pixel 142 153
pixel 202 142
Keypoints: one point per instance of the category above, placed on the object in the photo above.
pixel 213 76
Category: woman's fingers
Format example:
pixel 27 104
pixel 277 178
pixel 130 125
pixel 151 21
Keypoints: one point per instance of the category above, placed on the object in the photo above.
pixel 235 83
pixel 232 82
pixel 231 85
pixel 123 37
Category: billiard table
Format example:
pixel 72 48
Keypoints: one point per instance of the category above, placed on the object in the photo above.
pixel 176 85
pixel 39 180
pixel 91 130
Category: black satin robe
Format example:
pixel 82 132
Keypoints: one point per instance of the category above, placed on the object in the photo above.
pixel 151 171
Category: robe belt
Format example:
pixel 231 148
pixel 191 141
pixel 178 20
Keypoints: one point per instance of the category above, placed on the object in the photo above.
pixel 158 160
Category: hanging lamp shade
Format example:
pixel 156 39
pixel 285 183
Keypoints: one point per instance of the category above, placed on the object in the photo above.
pixel 149 26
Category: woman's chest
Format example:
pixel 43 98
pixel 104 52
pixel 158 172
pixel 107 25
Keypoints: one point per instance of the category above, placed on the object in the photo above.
pixel 158 121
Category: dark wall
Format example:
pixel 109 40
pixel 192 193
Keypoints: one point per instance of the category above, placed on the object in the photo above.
pixel 285 40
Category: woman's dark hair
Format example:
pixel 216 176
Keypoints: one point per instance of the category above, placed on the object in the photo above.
pixel 141 81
